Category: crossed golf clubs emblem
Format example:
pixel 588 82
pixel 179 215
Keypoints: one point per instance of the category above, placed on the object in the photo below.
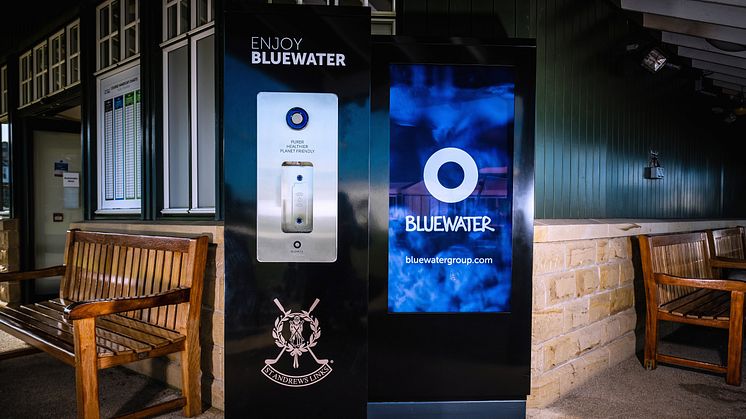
pixel 297 345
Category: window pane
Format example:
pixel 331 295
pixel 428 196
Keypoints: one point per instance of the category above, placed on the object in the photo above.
pixel 381 5
pixel 130 9
pixel 202 12
pixel 183 16
pixel 114 49
pixel 103 22
pixel 178 128
pixel 172 22
pixel 74 75
pixel 115 11
pixel 104 54
pixel 350 2
pixel 74 40
pixel 206 122
pixel 4 128
pixel 130 42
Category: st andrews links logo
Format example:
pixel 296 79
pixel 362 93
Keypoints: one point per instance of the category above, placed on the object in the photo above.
pixel 296 344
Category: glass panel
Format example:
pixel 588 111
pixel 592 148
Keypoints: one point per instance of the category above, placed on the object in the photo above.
pixel 114 49
pixel 103 52
pixel 183 16
pixel 130 11
pixel 178 128
pixel 130 42
pixel 115 12
pixel 172 22
pixel 103 22
pixel 74 74
pixel 202 12
pixel 382 28
pixel 74 40
pixel 381 5
pixel 5 137
pixel 350 2
pixel 206 122
pixel 56 79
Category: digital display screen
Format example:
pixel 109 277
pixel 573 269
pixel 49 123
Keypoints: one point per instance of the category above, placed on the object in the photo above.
pixel 451 152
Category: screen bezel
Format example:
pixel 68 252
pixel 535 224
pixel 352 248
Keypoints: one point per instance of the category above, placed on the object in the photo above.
pixel 451 356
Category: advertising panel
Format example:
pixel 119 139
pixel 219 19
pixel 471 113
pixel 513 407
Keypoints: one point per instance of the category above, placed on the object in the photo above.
pixel 450 169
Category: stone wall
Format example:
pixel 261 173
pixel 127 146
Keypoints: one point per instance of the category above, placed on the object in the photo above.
pixel 10 292
pixel 583 298
pixel 212 342
pixel 583 319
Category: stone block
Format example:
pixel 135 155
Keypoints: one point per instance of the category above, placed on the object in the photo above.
pixel 560 351
pixel 592 336
pixel 544 391
pixel 619 248
pixel 621 349
pixel 549 257
pixel 602 253
pixel 540 293
pixel 576 314
pixel 599 306
pixel 627 320
pixel 587 280
pixel 609 276
pixel 10 292
pixel 627 272
pixel 622 299
pixel 593 363
pixel 613 328
pixel 561 287
pixel 537 361
pixel 546 324
pixel 581 253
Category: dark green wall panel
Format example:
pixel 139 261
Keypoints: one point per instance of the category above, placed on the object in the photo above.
pixel 599 113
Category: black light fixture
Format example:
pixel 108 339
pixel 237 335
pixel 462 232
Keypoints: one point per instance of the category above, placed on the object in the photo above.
pixel 654 60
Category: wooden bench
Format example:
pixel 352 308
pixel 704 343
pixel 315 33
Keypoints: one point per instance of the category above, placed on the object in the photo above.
pixel 680 287
pixel 123 298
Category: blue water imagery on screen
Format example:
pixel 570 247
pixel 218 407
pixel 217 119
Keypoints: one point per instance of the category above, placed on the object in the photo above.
pixel 453 254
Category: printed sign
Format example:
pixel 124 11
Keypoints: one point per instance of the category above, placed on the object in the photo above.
pixel 450 238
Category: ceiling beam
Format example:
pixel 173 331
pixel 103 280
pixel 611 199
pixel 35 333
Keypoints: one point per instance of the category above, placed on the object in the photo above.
pixel 719 68
pixel 728 79
pixel 718 14
pixel 729 86
pixel 696 43
pixel 723 59
pixel 694 28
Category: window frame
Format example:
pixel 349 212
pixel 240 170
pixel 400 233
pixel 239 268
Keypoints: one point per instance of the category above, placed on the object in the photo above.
pixel 113 32
pixel 40 86
pixel 69 57
pixel 59 65
pixel 194 126
pixel 184 42
pixel 180 32
pixel 3 91
pixel 25 83
pixel 125 26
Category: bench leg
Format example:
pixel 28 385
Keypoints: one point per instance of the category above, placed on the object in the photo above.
pixel 735 339
pixel 86 369
pixel 651 341
pixel 190 379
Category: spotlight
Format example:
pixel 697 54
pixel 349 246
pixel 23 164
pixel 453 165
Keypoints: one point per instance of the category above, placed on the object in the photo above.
pixel 654 60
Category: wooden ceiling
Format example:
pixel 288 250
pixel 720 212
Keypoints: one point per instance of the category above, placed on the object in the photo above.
pixel 709 35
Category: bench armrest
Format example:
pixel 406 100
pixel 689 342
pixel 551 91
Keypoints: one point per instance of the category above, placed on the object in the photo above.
pixel 714 284
pixel 36 273
pixel 730 263
pixel 87 309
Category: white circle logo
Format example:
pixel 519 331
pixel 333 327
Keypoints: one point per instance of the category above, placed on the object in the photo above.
pixel 450 155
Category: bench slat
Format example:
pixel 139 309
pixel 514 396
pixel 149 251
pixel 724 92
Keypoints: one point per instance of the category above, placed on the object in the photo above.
pixel 132 331
pixel 106 346
pixel 709 309
pixel 693 305
pixel 681 301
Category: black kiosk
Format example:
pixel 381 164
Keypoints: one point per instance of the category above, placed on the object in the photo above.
pixel 378 219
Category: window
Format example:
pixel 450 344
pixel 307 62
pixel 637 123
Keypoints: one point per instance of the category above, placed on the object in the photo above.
pixel 115 18
pixel 3 90
pixel 40 71
pixel 131 28
pixel 119 141
pixel 188 107
pixel 25 78
pixel 73 53
pixel 57 58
